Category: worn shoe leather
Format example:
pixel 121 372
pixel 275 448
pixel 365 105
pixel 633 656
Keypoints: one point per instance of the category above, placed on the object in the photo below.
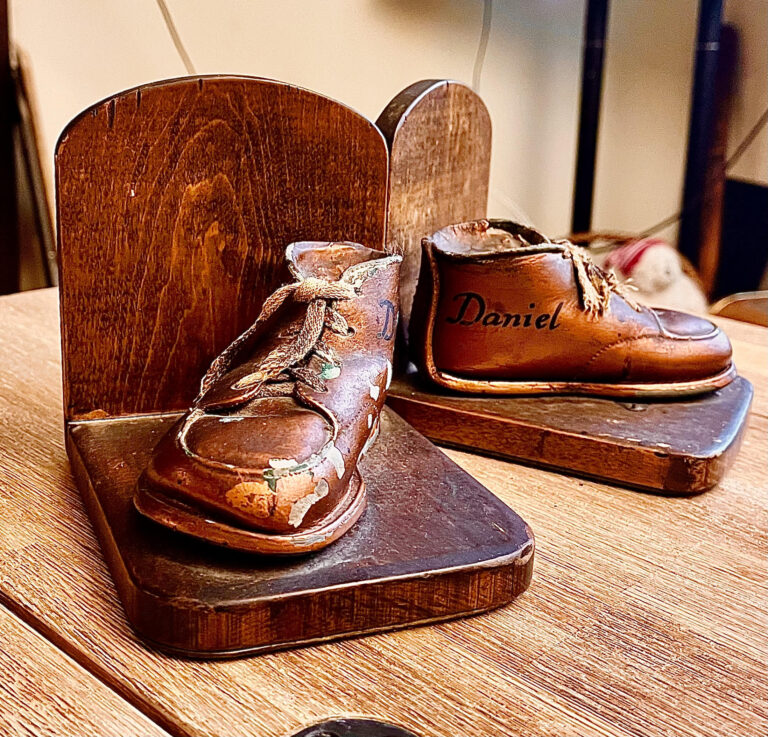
pixel 266 458
pixel 501 309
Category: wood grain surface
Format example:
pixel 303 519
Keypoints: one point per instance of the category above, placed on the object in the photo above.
pixel 439 137
pixel 647 445
pixel 175 204
pixel 44 692
pixel 400 564
pixel 646 615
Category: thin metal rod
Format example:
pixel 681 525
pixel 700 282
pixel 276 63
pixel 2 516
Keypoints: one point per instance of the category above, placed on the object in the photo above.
pixel 174 34
pixel 589 115
pixel 700 129
pixel 482 45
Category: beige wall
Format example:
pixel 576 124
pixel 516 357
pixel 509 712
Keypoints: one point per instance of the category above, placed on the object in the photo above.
pixel 364 51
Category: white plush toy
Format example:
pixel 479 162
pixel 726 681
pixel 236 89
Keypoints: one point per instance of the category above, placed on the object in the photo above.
pixel 656 270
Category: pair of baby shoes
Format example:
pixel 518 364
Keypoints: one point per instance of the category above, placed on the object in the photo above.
pixel 266 459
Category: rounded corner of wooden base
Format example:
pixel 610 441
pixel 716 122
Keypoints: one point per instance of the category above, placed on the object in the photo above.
pixel 397 566
pixel 196 630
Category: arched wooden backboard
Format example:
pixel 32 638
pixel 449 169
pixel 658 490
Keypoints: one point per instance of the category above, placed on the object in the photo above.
pixel 175 203
pixel 439 136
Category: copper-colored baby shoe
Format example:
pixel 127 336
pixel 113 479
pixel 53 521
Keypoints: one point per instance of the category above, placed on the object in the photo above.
pixel 501 309
pixel 266 458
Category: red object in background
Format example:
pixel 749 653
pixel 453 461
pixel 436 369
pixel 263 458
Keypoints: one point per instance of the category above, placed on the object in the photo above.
pixel 625 258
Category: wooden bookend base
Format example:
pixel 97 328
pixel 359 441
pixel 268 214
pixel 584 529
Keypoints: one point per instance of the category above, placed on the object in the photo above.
pixel 433 544
pixel 675 447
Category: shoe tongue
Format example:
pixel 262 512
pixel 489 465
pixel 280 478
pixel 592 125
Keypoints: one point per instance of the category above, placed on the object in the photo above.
pixel 327 260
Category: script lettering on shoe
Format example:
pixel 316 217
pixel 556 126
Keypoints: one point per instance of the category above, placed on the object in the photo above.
pixel 387 332
pixel 471 310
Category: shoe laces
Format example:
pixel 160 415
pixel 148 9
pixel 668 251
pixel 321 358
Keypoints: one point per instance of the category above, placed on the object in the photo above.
pixel 594 284
pixel 278 372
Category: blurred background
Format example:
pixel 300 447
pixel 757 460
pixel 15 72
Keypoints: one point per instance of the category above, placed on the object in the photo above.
pixel 524 57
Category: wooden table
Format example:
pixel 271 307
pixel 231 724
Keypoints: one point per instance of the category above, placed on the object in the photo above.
pixel 646 615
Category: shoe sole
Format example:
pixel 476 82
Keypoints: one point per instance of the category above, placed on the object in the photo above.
pixel 644 391
pixel 192 521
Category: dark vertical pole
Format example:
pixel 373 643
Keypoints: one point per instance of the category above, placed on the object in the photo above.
pixel 589 116
pixel 9 240
pixel 700 128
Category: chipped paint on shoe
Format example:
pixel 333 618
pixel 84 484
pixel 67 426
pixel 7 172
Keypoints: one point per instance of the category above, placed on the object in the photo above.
pixel 372 437
pixel 301 506
pixel 329 371
pixel 254 497
pixel 281 468
pixel 337 459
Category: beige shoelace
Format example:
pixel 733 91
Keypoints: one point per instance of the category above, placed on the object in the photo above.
pixel 595 285
pixel 280 369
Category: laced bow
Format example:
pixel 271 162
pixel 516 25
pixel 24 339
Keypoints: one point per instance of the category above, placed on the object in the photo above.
pixel 283 363
pixel 595 285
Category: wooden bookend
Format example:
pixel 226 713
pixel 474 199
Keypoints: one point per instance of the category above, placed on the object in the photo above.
pixel 675 447
pixel 175 204
pixel 439 137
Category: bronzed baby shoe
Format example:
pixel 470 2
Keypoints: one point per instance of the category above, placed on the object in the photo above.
pixel 267 457
pixel 503 310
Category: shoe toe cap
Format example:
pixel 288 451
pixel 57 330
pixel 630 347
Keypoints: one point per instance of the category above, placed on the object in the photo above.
pixel 683 349
pixel 266 470
pixel 684 325
pixel 695 345
pixel 276 430
pixel 692 348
